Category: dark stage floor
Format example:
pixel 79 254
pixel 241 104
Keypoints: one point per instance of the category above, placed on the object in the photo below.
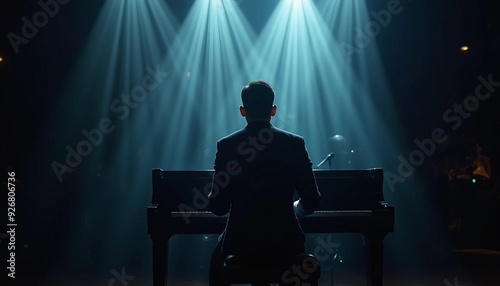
pixel 469 267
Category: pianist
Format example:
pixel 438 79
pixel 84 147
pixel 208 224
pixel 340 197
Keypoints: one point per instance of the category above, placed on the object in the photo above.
pixel 257 171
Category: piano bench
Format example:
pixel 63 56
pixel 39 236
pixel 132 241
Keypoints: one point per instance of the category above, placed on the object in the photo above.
pixel 302 268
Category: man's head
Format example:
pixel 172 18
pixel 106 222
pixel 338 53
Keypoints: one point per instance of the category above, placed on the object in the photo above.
pixel 257 98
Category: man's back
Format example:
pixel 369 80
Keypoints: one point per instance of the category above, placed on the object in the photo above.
pixel 257 171
pixel 270 165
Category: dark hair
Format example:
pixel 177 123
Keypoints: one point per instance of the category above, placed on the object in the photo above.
pixel 257 98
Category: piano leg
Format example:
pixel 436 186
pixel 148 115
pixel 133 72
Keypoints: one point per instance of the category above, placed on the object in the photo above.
pixel 374 259
pixel 160 260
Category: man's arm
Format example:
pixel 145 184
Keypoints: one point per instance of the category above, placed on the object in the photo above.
pixel 305 184
pixel 219 196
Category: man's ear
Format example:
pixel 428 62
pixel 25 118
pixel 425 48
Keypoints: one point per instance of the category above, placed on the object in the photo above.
pixel 243 112
pixel 273 110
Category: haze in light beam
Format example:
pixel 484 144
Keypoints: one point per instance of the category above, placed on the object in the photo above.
pixel 126 37
pixel 201 104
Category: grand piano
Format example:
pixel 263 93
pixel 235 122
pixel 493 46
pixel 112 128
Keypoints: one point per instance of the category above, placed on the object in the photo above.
pixel 352 201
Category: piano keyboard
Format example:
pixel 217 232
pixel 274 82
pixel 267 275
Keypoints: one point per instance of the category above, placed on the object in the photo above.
pixel 343 213
pixel 337 213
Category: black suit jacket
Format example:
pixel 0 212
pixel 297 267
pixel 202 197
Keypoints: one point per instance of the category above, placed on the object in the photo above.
pixel 257 171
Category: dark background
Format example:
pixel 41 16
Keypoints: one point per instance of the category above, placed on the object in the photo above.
pixel 427 74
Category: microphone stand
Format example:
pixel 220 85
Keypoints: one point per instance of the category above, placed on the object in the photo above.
pixel 328 158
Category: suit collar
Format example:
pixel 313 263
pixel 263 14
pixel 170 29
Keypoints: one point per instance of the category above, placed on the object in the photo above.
pixel 258 124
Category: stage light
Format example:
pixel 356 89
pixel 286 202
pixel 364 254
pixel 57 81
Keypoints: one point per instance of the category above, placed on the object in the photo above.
pixel 208 74
pixel 1 59
pixel 216 3
pixel 316 95
pixel 296 4
pixel 464 48
pixel 124 52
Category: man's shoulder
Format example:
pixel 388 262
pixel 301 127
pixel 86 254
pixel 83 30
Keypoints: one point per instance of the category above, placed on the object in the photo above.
pixel 286 133
pixel 232 136
pixel 277 132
